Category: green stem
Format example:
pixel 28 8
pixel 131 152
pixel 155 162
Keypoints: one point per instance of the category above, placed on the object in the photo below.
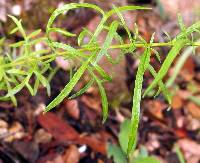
pixel 124 46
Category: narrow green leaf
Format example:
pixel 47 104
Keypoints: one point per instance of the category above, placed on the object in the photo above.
pixel 17 44
pixel 3 85
pixel 148 159
pixel 1 68
pixel 12 97
pixel 19 25
pixel 83 90
pixel 14 30
pixel 29 87
pixel 16 89
pixel 108 41
pixel 109 14
pixel 68 88
pixel 162 86
pixel 123 22
pixel 39 52
pixel 16 71
pixel 180 22
pixel 38 40
pixel 179 64
pixel 36 85
pixel 189 30
pixel 144 63
pixel 126 8
pixel 64 46
pixel 167 34
pixel 68 7
pixel 157 54
pixel 179 154
pixel 103 99
pixel 41 78
pixel 62 31
pixel 102 73
pixel 34 34
pixel 178 45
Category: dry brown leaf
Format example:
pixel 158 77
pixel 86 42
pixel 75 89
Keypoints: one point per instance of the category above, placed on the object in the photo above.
pixel 189 147
pixel 177 102
pixel 92 102
pixel 63 132
pixel 41 136
pixel 155 108
pixel 58 159
pixel 59 129
pixel 16 131
pixel 71 155
pixel 96 144
pixel 72 108
pixel 193 109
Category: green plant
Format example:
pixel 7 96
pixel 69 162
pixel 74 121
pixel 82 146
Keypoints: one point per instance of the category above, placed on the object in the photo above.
pixel 16 71
pixel 179 154
pixel 118 152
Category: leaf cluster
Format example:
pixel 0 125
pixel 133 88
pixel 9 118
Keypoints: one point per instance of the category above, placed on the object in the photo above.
pixel 18 71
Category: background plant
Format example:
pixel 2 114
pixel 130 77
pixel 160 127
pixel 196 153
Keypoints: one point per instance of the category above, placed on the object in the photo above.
pixel 19 71
pixel 118 152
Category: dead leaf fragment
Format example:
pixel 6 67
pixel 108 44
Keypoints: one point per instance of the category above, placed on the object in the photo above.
pixel 177 102
pixel 71 107
pixel 59 128
pixel 63 132
pixel 194 110
pixel 3 127
pixel 155 108
pixel 71 155
pixel 189 147
pixel 16 131
pixel 41 136
pixel 93 142
pixel 58 159
pixel 29 150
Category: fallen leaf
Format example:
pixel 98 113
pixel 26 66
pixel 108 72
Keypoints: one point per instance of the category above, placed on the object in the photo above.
pixel 47 157
pixel 58 159
pixel 28 150
pixel 71 107
pixel 193 124
pixel 156 108
pixel 177 102
pixel 41 136
pixel 60 129
pixel 194 110
pixel 180 133
pixel 189 146
pixel 98 145
pixel 16 131
pixel 188 70
pixel 93 102
pixel 3 127
pixel 71 155
pixel 63 132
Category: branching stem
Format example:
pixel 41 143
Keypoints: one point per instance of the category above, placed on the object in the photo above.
pixel 124 46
